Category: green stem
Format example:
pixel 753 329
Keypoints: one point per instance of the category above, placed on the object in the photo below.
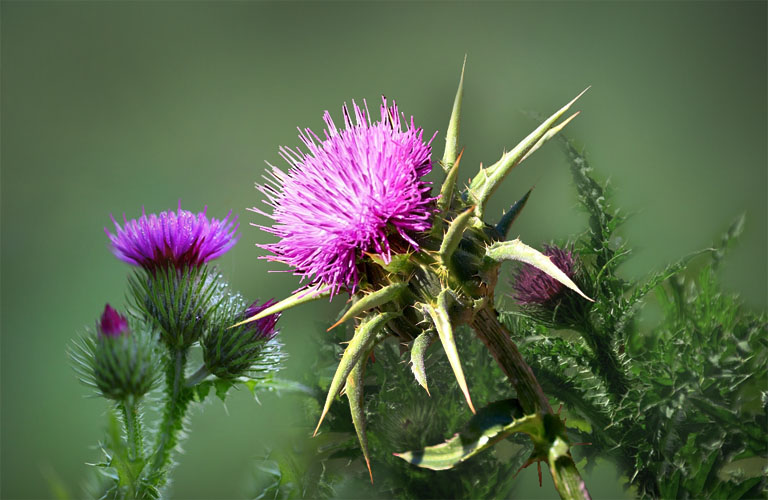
pixel 177 403
pixel 133 430
pixel 607 363
pixel 197 377
pixel 495 336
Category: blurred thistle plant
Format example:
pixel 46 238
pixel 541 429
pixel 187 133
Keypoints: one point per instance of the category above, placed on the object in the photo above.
pixel 354 215
pixel 179 302
pixel 679 406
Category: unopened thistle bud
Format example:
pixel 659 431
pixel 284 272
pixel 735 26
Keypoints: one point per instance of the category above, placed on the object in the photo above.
pixel 118 362
pixel 175 287
pixel 546 298
pixel 248 349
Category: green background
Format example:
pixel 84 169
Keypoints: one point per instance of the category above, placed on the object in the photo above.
pixel 108 107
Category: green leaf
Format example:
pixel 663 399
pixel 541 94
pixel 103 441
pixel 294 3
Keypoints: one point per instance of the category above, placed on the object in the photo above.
pixel 442 322
pixel 448 188
pixel 517 250
pixel 354 392
pixel 418 351
pixel 366 336
pixel 490 425
pixel 280 385
pixel 371 300
pixel 203 389
pixel 222 386
pixel 452 134
pixel 309 294
pixel 452 237
pixel 487 180
pixel 399 263
pixel 731 235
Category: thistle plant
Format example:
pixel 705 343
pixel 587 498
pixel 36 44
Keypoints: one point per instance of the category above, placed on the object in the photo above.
pixel 354 215
pixel 678 404
pixel 179 302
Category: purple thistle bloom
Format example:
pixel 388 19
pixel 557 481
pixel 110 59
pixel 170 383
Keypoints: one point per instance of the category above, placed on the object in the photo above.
pixel 534 287
pixel 112 323
pixel 264 327
pixel 178 238
pixel 358 190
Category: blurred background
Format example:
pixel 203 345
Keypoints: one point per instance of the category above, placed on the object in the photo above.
pixel 110 106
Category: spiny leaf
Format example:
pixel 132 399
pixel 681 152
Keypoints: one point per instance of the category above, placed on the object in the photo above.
pixel 442 321
pixel 517 250
pixel 550 134
pixel 397 264
pixel 371 300
pixel 302 296
pixel 366 336
pixel 354 392
pixel 490 425
pixel 655 280
pixel 452 134
pixel 449 185
pixel 486 181
pixel 280 385
pixel 508 218
pixel 453 235
pixel 733 233
pixel 418 351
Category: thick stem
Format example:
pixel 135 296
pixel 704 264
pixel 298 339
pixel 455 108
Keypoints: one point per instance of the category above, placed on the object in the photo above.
pixel 177 402
pixel 133 431
pixel 495 336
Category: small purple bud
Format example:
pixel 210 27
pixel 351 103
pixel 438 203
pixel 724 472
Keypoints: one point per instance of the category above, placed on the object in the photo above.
pixel 112 323
pixel 535 287
pixel 264 327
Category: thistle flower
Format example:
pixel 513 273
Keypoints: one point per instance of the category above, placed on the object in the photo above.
pixel 535 287
pixel 112 323
pixel 179 239
pixel 358 190
pixel 355 206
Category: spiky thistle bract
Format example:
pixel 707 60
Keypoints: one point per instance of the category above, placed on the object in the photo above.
pixel 445 267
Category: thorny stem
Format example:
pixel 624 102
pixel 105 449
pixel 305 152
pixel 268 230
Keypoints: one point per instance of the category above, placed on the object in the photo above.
pixel 133 431
pixel 495 336
pixel 177 402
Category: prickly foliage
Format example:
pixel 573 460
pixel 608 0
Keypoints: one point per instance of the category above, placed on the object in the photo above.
pixel 400 417
pixel 679 406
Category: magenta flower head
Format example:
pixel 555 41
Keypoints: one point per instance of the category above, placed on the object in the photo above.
pixel 535 287
pixel 358 190
pixel 176 238
pixel 112 323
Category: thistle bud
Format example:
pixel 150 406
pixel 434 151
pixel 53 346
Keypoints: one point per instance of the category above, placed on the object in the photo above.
pixel 248 349
pixel 112 324
pixel 117 361
pixel 546 298
pixel 182 303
